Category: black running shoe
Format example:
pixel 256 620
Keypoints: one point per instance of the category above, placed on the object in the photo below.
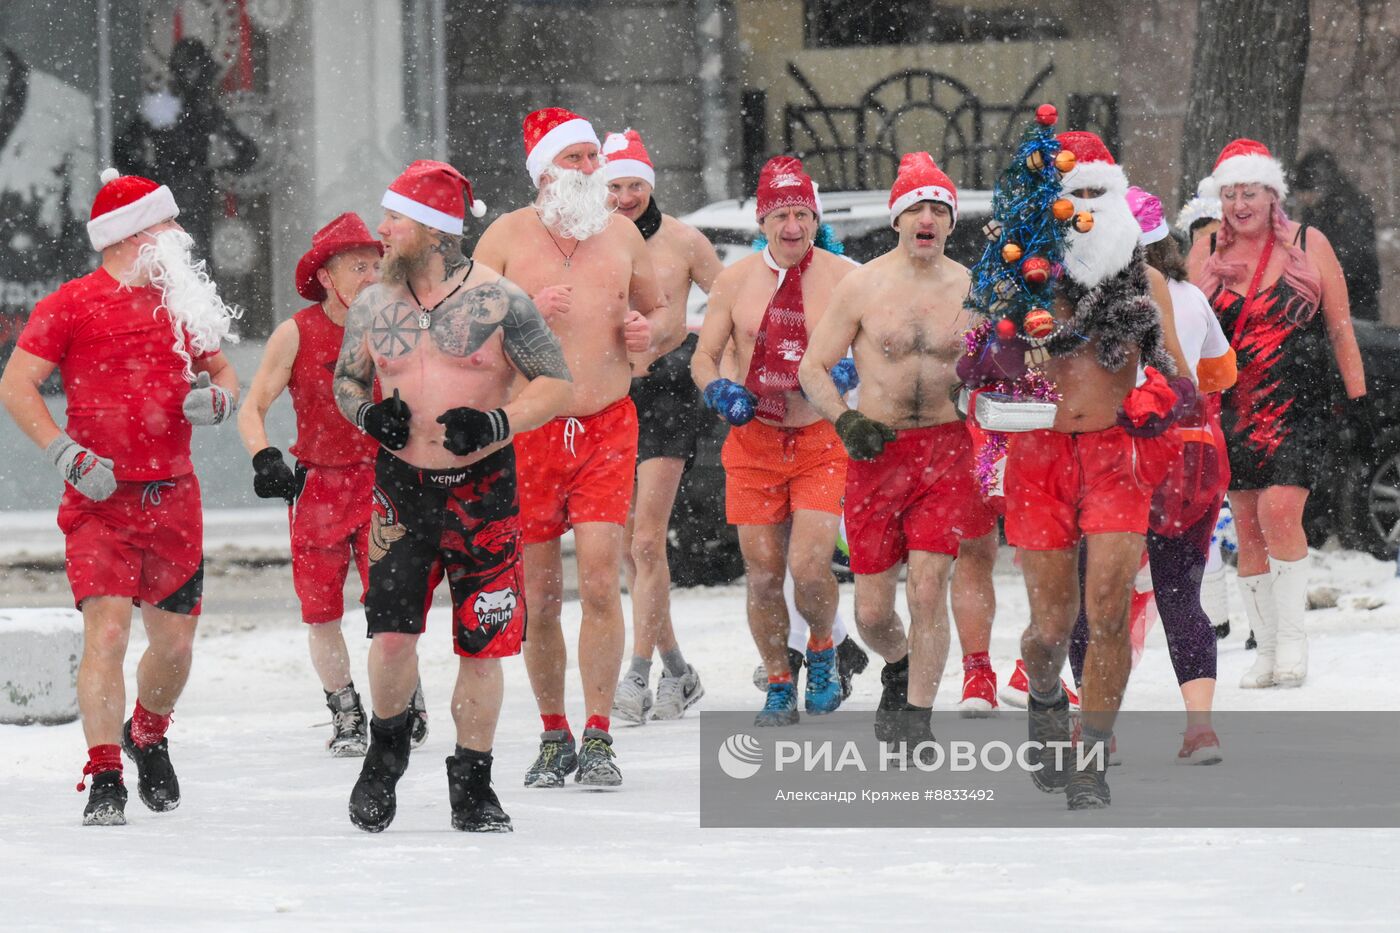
pixel 1050 723
pixel 373 801
pixel 1087 789
pixel 555 761
pixel 912 727
pixel 894 697
pixel 475 806
pixel 597 766
pixel 1222 631
pixel 418 715
pixel 155 776
pixel 851 660
pixel 106 804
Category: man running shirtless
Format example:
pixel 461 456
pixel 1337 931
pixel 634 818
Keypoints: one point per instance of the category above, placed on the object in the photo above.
pixel 447 339
pixel 588 271
pixel 910 489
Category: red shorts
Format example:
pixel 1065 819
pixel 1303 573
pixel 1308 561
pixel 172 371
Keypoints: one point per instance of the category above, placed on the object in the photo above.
pixel 577 470
pixel 1060 486
pixel 918 495
pixel 145 541
pixel 330 522
pixel 771 472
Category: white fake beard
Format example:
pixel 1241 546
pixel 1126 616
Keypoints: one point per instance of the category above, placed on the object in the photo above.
pixel 1106 249
pixel 573 204
pixel 197 313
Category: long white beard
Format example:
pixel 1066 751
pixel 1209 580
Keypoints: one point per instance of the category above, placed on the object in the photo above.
pixel 1107 248
pixel 197 313
pixel 573 204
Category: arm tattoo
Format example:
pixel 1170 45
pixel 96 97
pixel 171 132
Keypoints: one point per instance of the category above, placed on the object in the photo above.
pixel 500 305
pixel 450 248
pixel 354 370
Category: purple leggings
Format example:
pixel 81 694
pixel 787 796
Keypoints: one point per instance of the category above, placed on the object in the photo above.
pixel 1177 565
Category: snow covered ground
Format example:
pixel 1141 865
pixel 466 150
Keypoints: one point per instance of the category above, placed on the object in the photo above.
pixel 262 840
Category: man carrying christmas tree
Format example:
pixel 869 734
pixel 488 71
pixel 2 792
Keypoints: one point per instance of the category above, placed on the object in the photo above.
pixel 910 491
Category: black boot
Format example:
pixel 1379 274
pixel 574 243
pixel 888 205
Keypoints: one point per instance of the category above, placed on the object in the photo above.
pixel 1048 723
pixel 106 804
pixel 851 660
pixel 155 775
pixel 894 697
pixel 913 726
pixel 372 802
pixel 475 806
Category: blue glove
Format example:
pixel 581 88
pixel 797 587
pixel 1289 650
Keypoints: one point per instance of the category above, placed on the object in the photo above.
pixel 733 402
pixel 845 376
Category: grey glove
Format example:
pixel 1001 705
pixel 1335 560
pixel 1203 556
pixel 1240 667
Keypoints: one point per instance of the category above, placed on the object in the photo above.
pixel 206 403
pixel 82 469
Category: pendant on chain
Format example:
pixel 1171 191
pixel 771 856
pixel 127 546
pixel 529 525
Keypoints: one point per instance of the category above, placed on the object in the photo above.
pixel 424 321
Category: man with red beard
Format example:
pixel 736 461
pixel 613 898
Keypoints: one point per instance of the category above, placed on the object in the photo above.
pixel 593 280
pixel 670 415
pixel 1092 474
pixel 447 339
pixel 137 344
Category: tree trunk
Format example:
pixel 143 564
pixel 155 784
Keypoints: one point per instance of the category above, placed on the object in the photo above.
pixel 1246 80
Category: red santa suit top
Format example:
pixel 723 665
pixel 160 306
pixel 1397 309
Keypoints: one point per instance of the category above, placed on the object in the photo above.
pixel 126 385
pixel 325 437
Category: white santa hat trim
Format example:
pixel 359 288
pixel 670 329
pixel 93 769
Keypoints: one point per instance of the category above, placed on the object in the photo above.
pixel 629 168
pixel 429 216
pixel 1157 234
pixel 1251 169
pixel 116 225
pixel 927 193
pixel 566 134
pixel 1104 175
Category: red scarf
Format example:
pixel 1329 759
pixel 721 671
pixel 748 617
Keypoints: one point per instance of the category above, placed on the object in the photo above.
pixel 781 341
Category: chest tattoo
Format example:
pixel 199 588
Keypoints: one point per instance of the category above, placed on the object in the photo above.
pixel 394 331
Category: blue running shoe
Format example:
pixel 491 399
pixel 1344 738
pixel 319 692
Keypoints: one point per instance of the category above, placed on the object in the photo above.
pixel 781 708
pixel 823 682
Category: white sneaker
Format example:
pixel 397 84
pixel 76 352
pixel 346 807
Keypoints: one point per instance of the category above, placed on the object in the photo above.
pixel 675 695
pixel 632 701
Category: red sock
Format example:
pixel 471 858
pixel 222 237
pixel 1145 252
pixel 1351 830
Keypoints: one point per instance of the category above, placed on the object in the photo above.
pixel 977 660
pixel 598 722
pixel 784 678
pixel 556 722
pixel 101 758
pixel 824 645
pixel 147 728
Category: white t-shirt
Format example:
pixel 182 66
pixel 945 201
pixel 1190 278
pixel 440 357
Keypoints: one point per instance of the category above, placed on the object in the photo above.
pixel 1197 328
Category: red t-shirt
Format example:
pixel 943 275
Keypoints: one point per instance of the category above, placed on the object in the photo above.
pixel 325 437
pixel 124 381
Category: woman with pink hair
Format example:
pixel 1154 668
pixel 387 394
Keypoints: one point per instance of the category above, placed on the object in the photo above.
pixel 1282 302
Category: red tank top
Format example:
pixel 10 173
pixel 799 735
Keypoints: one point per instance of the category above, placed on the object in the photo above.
pixel 324 436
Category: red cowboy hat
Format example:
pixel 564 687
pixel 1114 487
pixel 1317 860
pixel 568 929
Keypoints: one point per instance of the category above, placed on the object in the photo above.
pixel 347 231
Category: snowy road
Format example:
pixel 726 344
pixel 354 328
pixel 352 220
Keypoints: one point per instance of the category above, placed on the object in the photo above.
pixel 262 841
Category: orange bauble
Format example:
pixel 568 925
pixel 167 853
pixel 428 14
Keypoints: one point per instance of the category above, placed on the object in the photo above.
pixel 1064 161
pixel 1084 221
pixel 1062 209
pixel 1039 323
pixel 1036 271
pixel 1011 252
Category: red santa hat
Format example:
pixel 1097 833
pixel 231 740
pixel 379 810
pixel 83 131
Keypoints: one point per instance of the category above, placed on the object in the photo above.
pixel 126 205
pixel 783 183
pixel 920 179
pixel 346 232
pixel 549 132
pixel 434 194
pixel 1245 162
pixel 627 158
pixel 1094 166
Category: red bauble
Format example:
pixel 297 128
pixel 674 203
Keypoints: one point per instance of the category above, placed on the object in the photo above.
pixel 1046 115
pixel 1036 271
pixel 1005 329
pixel 1039 323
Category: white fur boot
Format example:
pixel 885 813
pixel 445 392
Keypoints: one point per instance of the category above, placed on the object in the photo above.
pixel 1259 606
pixel 1215 599
pixel 1291 600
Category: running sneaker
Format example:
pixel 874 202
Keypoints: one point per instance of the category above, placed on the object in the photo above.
pixel 349 731
pixel 632 700
pixel 597 766
pixel 555 761
pixel 1018 688
pixel 823 694
pixel 106 804
pixel 979 696
pixel 851 660
pixel 418 715
pixel 155 775
pixel 1050 723
pixel 1200 746
pixel 475 806
pixel 374 799
pixel 675 695
pixel 781 706
pixel 760 673
pixel 894 697
pixel 1087 789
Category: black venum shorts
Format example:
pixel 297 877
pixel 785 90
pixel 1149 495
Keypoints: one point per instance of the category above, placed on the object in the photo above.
pixel 670 409
pixel 463 524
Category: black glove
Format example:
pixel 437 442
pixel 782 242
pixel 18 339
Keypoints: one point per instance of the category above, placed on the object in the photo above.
pixel 469 430
pixel 273 479
pixel 1365 424
pixel 386 421
pixel 864 439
